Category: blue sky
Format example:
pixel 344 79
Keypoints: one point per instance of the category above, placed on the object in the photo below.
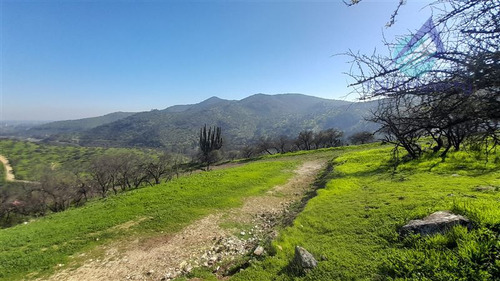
pixel 73 59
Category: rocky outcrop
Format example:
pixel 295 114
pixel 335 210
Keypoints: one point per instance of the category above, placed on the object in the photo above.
pixel 303 260
pixel 438 222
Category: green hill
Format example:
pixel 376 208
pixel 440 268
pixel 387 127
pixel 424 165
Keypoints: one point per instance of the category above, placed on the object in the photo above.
pixel 241 121
pixel 73 126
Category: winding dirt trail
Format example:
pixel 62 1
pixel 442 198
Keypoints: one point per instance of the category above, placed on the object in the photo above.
pixel 9 174
pixel 207 242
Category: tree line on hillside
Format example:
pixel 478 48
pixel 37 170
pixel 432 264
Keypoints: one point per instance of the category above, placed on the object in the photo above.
pixel 58 188
pixel 305 140
pixel 455 101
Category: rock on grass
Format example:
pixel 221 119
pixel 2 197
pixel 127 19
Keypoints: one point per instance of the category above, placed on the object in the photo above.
pixel 438 222
pixel 303 260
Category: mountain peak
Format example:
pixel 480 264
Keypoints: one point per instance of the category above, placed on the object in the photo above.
pixel 212 99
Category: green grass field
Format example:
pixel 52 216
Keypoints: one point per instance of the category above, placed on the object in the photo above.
pixel 351 226
pixel 28 159
pixel 37 247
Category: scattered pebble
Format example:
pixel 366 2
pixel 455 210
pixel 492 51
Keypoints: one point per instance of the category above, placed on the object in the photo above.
pixel 258 251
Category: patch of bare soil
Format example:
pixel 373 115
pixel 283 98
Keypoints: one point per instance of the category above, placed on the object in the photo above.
pixel 217 241
pixel 9 175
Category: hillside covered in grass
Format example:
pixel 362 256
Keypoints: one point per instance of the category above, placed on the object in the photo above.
pixel 39 246
pixel 29 159
pixel 351 227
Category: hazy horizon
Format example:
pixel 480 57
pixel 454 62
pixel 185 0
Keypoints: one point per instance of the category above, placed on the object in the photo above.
pixel 72 60
pixel 23 121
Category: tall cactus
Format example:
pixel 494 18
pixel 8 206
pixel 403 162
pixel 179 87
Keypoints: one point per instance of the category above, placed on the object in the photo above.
pixel 211 140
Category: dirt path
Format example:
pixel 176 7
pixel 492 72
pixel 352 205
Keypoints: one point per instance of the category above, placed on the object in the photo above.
pixel 9 174
pixel 215 241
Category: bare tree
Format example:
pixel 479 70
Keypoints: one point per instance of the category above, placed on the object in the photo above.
pixel 131 169
pixel 305 140
pixel 231 155
pixel 449 94
pixel 362 137
pixel 284 144
pixel 59 189
pixel 398 127
pixel 267 145
pixel 328 138
pixel 102 174
pixel 247 151
pixel 159 167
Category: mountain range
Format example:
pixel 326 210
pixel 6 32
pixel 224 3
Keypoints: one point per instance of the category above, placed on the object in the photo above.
pixel 79 125
pixel 242 121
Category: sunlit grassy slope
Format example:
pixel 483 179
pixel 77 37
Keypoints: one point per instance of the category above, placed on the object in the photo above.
pixel 351 226
pixel 28 159
pixel 37 247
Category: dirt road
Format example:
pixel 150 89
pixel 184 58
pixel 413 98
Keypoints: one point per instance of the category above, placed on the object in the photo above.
pixel 9 175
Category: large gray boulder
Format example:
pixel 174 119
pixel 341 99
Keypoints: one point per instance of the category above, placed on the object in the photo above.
pixel 303 260
pixel 438 222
